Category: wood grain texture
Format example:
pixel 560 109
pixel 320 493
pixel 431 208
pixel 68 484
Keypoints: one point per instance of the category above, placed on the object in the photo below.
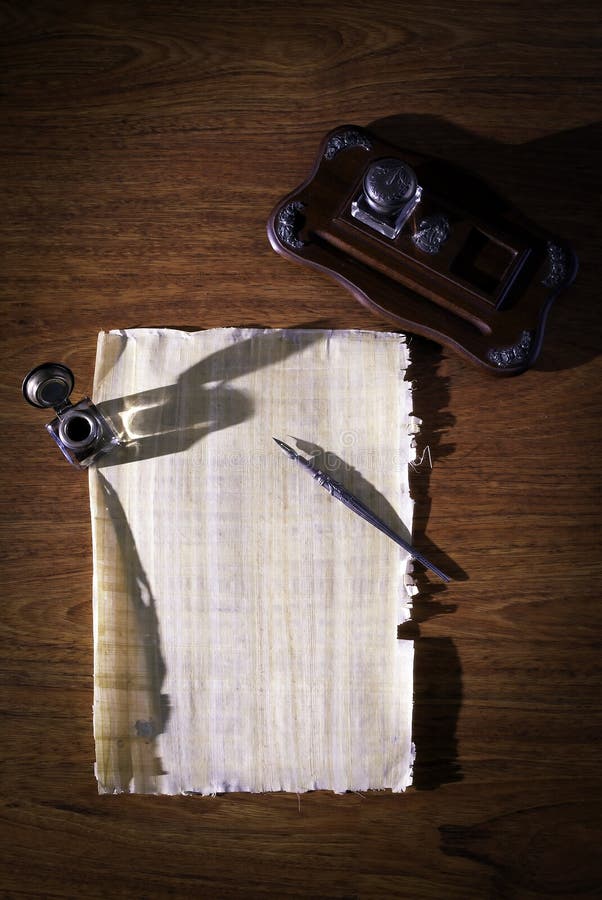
pixel 143 146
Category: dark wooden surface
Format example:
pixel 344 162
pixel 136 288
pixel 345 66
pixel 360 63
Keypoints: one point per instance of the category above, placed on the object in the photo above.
pixel 143 146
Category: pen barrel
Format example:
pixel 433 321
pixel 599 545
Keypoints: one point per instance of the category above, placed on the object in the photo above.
pixel 329 484
pixel 358 507
pixel 336 490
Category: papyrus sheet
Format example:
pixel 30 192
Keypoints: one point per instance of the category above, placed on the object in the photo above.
pixel 245 622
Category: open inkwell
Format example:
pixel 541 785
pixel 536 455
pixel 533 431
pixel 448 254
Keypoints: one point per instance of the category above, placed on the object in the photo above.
pixel 80 430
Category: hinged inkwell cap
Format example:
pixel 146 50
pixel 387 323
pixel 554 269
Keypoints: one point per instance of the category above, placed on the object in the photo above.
pixel 48 385
pixel 80 430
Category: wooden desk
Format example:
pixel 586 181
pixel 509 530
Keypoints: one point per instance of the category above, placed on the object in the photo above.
pixel 143 147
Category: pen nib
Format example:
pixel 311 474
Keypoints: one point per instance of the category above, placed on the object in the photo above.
pixel 288 450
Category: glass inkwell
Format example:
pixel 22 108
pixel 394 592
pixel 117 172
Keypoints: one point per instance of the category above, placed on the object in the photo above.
pixel 389 196
pixel 80 429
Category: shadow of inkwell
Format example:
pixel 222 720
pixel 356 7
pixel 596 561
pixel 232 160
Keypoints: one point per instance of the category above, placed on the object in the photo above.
pixel 130 708
pixel 170 419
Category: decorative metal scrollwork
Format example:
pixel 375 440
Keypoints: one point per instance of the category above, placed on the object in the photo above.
pixel 289 222
pixel 351 137
pixel 516 354
pixel 432 232
pixel 557 266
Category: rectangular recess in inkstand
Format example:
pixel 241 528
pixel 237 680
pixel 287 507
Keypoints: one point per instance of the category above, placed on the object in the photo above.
pixel 484 263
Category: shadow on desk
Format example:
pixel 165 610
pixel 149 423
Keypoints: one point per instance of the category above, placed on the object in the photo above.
pixel 437 668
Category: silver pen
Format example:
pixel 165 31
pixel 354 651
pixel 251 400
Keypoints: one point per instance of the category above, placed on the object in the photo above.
pixel 351 502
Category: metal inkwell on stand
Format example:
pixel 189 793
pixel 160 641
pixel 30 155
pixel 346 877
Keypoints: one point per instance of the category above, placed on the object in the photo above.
pixel 80 430
pixel 426 247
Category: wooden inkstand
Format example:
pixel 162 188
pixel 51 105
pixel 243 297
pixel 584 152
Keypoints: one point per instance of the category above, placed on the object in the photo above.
pixel 425 247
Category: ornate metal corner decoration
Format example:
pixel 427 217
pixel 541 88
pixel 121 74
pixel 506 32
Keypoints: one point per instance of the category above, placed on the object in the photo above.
pixel 351 137
pixel 518 353
pixel 557 266
pixel 289 222
pixel 432 233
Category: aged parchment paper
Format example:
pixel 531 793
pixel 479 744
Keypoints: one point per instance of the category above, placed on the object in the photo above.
pixel 245 621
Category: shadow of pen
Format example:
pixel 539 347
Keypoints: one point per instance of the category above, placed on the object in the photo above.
pixel 363 498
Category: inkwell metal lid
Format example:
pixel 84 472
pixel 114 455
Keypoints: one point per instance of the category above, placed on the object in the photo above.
pixel 48 385
pixel 388 185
